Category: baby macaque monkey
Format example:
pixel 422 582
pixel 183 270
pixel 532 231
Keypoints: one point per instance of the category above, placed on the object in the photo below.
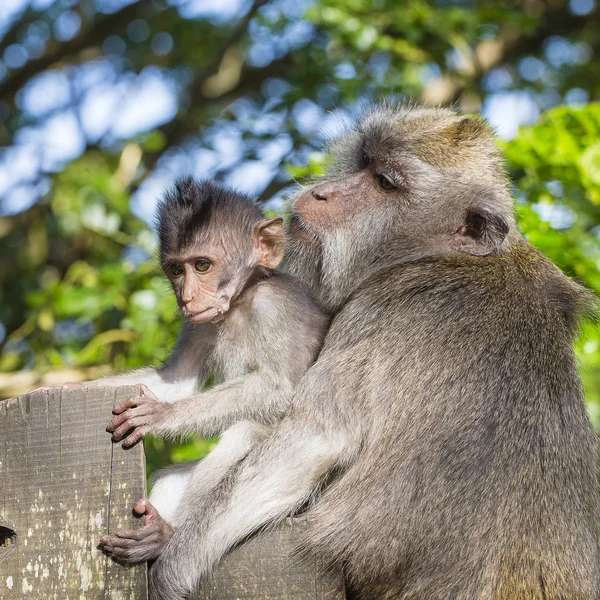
pixel 255 331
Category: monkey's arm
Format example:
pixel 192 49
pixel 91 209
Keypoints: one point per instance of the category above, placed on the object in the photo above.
pixel 285 331
pixel 258 397
pixel 180 376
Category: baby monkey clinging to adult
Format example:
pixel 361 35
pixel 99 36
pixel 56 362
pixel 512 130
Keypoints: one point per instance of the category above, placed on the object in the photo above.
pixel 254 330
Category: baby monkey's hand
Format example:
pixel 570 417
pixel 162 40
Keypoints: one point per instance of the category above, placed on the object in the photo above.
pixel 137 417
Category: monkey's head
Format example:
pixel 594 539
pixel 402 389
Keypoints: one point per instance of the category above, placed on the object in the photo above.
pixel 212 240
pixel 405 183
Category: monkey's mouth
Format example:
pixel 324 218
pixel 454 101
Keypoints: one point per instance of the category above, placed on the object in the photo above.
pixel 208 315
pixel 301 230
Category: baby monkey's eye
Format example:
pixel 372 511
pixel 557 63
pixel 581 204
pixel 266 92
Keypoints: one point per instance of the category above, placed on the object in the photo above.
pixel 202 265
pixel 386 182
pixel 176 270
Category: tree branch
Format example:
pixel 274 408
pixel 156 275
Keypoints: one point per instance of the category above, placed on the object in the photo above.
pixel 87 37
pixel 11 35
pixel 177 130
pixel 274 187
pixel 556 20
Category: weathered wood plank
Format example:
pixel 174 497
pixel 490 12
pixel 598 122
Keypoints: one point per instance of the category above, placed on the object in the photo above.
pixel 63 485
pixel 266 568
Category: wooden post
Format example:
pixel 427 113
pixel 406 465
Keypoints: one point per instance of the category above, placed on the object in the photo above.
pixel 63 484
pixel 266 568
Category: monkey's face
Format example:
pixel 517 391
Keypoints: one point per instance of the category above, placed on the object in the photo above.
pixel 374 171
pixel 199 280
pixel 423 172
pixel 209 275
pixel 334 203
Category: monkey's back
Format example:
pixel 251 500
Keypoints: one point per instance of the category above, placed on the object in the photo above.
pixel 479 479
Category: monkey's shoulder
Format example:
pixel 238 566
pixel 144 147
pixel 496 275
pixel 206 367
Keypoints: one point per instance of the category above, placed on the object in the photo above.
pixel 287 300
pixel 287 290
pixel 515 284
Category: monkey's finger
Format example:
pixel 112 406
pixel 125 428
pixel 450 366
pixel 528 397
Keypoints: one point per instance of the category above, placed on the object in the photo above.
pixel 128 415
pixel 116 551
pixel 133 534
pixel 121 542
pixel 135 437
pixel 107 540
pixel 129 403
pixel 150 510
pixel 140 506
pixel 153 520
pixel 117 421
pixel 121 432
pixel 145 536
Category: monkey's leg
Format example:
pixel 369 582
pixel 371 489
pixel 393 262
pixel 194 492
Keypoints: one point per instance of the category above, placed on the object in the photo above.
pixel 170 495
pixel 234 446
pixel 273 481
pixel 169 486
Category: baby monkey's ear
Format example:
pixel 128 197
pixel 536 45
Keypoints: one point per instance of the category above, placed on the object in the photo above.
pixel 269 241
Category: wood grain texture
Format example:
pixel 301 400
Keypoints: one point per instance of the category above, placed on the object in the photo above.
pixel 63 484
pixel 265 568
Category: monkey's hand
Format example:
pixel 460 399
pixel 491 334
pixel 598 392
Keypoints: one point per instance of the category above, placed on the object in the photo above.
pixel 141 544
pixel 137 417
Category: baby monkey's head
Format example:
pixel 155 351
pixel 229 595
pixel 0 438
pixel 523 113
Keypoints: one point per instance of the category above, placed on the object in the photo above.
pixel 212 241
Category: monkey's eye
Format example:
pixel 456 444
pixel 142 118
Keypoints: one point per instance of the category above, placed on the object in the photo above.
pixel 386 182
pixel 176 270
pixel 202 265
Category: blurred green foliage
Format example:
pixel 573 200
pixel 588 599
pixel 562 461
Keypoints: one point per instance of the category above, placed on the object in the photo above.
pixel 78 280
pixel 555 166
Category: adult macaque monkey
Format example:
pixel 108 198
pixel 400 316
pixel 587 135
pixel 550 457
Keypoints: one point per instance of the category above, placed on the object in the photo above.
pixel 256 331
pixel 444 418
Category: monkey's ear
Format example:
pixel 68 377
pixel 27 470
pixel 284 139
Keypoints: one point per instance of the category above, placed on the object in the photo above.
pixel 269 240
pixel 482 233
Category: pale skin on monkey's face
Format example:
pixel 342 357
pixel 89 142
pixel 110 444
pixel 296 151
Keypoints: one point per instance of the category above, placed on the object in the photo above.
pixel 197 275
pixel 331 204
pixel 195 278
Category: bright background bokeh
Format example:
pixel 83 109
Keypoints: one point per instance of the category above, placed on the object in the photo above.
pixel 103 103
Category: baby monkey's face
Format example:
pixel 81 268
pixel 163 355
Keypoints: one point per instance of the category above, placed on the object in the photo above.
pixel 208 277
pixel 199 282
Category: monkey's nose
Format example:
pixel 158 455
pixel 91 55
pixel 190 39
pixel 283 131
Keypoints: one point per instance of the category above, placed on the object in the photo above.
pixel 318 195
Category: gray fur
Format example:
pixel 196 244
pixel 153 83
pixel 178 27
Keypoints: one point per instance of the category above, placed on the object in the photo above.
pixel 256 353
pixel 441 438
